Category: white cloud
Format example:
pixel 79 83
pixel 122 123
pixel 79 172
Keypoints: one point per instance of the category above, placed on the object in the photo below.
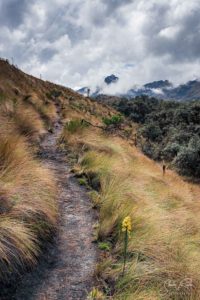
pixel 79 42
pixel 170 32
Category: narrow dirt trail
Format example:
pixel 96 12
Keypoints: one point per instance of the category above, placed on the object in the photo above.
pixel 67 270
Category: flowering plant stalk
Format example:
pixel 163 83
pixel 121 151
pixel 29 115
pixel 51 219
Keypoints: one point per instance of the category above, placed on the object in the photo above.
pixel 126 228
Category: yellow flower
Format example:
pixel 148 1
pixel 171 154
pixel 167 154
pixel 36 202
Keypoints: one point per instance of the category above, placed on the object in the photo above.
pixel 126 224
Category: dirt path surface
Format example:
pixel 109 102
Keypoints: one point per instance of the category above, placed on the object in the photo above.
pixel 67 270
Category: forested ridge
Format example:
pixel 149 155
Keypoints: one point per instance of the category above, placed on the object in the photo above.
pixel 168 130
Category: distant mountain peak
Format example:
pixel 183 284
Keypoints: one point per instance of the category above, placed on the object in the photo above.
pixel 111 79
pixel 160 84
pixel 161 89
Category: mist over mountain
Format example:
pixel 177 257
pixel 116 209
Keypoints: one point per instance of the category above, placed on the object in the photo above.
pixel 161 89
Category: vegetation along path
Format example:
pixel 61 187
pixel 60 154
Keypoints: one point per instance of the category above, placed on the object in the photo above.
pixel 67 271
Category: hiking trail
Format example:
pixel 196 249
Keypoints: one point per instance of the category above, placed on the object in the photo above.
pixel 66 271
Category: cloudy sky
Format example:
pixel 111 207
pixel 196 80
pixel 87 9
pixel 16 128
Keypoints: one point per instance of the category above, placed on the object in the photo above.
pixel 78 42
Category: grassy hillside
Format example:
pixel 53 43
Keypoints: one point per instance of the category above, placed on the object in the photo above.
pixel 28 211
pixel 28 208
pixel 163 250
pixel 167 130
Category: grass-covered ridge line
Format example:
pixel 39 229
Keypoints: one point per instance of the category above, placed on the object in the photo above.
pixel 163 246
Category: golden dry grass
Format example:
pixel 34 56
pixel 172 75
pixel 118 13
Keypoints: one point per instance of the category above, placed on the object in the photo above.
pixel 28 211
pixel 164 257
pixel 23 118
pixel 45 108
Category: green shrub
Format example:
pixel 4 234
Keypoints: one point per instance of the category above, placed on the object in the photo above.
pixel 74 125
pixel 114 120
pixel 105 246
pixel 181 137
pixel 53 94
pixel 188 159
pixel 83 181
pixel 171 151
pixel 2 97
pixel 152 132
pixel 152 150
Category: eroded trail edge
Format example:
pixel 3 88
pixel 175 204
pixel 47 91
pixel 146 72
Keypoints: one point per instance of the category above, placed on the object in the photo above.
pixel 67 269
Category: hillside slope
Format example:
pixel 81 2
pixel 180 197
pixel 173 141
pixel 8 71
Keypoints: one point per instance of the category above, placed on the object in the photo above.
pixel 163 250
pixel 28 210
pixel 29 109
pixel 167 130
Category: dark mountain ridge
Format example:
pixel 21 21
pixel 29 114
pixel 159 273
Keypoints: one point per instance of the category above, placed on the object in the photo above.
pixel 161 89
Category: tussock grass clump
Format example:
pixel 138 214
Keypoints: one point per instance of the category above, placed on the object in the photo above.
pixel 18 246
pixel 28 123
pixel 45 108
pixel 163 258
pixel 74 126
pixel 28 212
pixel 23 118
pixel 70 131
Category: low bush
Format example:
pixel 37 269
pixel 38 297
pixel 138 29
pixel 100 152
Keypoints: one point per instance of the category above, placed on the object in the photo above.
pixel 188 159
pixel 170 151
pixel 75 125
pixel 115 120
pixel 105 246
pixel 2 96
pixel 83 181
pixel 151 132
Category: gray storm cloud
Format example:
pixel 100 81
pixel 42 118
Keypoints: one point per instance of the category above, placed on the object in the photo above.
pixel 78 42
